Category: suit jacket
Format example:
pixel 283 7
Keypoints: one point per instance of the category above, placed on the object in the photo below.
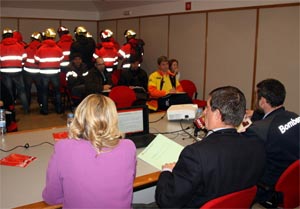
pixel 221 163
pixel 280 133
pixel 95 80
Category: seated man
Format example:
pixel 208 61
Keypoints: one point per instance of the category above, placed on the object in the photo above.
pixel 223 162
pixel 279 130
pixel 98 79
pixel 76 74
pixel 163 88
pixel 136 78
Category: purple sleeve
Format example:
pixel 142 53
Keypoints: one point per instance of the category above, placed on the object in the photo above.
pixel 53 191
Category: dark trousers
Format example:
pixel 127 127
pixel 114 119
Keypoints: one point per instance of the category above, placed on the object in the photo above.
pixel 29 79
pixel 8 79
pixel 55 81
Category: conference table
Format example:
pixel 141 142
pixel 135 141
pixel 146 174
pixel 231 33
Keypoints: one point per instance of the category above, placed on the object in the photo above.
pixel 22 187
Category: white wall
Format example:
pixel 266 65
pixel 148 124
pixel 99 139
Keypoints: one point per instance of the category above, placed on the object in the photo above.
pixel 179 7
pixel 51 14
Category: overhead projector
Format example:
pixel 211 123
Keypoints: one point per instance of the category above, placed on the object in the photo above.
pixel 182 111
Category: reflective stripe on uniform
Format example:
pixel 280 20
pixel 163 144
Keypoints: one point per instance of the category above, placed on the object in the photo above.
pixel 32 70
pixel 30 60
pixel 50 59
pixel 126 65
pixel 64 64
pixel 108 59
pixel 49 71
pixel 5 58
pixel 10 70
pixel 66 53
pixel 95 56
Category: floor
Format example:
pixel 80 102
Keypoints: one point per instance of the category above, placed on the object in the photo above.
pixel 35 120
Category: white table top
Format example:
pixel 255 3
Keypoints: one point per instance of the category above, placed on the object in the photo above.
pixel 21 186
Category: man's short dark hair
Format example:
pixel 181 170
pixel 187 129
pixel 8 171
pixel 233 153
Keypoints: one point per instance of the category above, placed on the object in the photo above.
pixel 272 90
pixel 162 59
pixel 231 103
pixel 76 54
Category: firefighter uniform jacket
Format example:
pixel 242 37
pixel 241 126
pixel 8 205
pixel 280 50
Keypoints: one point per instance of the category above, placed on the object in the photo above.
pixel 49 56
pixel 30 65
pixel 159 85
pixel 65 43
pixel 11 55
pixel 109 54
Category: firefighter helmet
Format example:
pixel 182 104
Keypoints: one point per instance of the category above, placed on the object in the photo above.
pixel 36 36
pixel 50 33
pixel 88 35
pixel 6 31
pixel 80 30
pixel 62 30
pixel 129 33
pixel 107 33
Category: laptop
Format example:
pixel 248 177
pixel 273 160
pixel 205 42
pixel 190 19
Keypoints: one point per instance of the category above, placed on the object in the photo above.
pixel 134 123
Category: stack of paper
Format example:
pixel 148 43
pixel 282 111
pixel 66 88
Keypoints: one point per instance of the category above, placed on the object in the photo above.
pixel 160 151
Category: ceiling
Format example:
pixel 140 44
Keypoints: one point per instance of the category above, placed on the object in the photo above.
pixel 78 5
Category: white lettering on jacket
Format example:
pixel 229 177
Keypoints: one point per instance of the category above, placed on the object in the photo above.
pixel 288 125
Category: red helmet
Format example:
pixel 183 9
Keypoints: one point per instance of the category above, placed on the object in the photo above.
pixel 106 34
pixel 62 30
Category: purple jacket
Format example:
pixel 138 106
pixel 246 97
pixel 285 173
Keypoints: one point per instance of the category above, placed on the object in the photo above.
pixel 78 178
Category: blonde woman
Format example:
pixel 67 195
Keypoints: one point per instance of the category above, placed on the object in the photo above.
pixel 95 168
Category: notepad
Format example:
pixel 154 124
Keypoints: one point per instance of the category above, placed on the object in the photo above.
pixel 160 151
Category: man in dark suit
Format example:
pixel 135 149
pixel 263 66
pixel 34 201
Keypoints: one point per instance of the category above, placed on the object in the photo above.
pixel 279 130
pixel 223 162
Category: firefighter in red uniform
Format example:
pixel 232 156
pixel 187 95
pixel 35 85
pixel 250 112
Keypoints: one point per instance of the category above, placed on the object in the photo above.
pixel 49 57
pixel 31 72
pixel 132 49
pixel 17 35
pixel 64 43
pixel 108 51
pixel 12 55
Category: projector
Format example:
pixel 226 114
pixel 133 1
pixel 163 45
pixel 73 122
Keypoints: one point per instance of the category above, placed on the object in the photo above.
pixel 182 111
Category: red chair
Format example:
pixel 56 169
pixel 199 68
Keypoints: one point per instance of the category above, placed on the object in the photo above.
pixel 239 199
pixel 123 96
pixel 115 76
pixel 190 88
pixel 288 185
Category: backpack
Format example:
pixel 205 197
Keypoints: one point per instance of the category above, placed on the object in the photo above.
pixel 137 49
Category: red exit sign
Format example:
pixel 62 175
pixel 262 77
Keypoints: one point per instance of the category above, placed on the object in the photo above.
pixel 188 5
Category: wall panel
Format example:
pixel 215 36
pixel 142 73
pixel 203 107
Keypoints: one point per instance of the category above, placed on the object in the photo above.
pixel 28 26
pixel 187 45
pixel 11 23
pixel 230 52
pixel 154 31
pixel 278 50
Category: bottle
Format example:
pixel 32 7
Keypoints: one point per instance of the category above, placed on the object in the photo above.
pixel 70 117
pixel 2 123
pixel 198 113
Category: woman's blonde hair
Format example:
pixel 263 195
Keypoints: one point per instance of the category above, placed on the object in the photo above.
pixel 96 120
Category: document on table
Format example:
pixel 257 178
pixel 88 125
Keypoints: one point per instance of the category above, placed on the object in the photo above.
pixel 160 151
